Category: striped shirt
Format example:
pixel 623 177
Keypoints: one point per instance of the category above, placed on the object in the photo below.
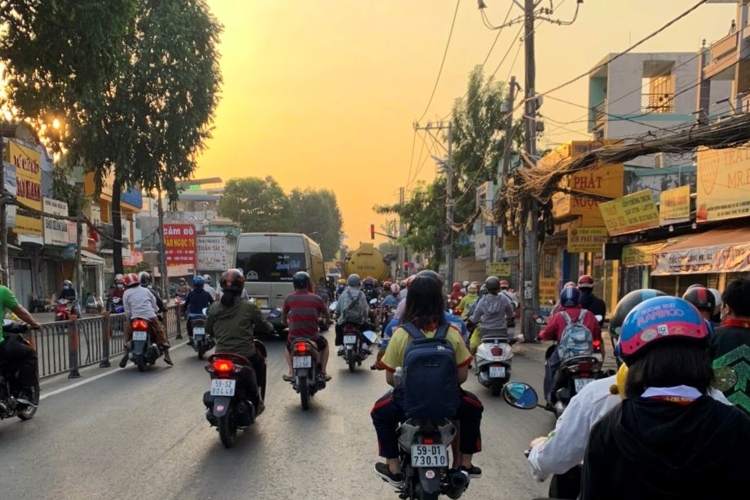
pixel 303 310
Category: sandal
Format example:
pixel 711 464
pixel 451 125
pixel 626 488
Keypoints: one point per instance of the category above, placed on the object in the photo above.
pixel 287 378
pixel 169 361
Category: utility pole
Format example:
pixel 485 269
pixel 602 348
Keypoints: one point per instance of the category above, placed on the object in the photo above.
pixel 530 213
pixel 401 230
pixel 163 260
pixel 3 217
pixel 509 127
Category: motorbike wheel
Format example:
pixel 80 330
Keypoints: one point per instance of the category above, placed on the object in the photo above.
pixel 428 496
pixel 352 361
pixel 29 413
pixel 497 387
pixel 140 362
pixel 227 429
pixel 304 393
pixel 201 351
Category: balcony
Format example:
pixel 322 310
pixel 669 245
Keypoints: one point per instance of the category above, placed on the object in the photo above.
pixel 721 58
pixel 600 115
pixel 657 103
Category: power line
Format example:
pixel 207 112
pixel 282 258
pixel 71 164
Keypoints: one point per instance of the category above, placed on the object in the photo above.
pixel 411 157
pixel 442 63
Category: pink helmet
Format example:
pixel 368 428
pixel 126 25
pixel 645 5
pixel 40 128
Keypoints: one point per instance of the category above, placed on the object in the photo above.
pixel 395 288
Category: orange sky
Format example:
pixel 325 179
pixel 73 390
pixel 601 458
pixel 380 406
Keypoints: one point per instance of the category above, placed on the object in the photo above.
pixel 324 93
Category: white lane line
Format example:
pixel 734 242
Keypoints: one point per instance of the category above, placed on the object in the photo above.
pixel 89 380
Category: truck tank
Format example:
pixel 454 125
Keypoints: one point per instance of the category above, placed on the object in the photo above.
pixel 367 261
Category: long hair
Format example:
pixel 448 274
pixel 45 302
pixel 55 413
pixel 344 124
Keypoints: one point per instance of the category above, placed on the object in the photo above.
pixel 425 304
pixel 229 298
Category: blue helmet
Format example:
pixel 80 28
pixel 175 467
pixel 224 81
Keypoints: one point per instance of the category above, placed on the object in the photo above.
pixel 198 281
pixel 570 297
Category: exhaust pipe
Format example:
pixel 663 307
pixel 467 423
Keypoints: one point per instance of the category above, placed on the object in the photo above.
pixel 457 484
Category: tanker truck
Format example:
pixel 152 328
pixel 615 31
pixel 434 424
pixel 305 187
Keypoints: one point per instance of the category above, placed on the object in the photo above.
pixel 367 261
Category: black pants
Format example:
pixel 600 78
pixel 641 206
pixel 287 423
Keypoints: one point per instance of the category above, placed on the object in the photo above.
pixel 364 326
pixel 15 355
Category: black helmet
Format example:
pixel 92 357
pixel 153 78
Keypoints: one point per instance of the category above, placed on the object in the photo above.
pixel 144 278
pixel 232 280
pixel 493 284
pixel 626 304
pixel 429 273
pixel 301 280
pixel 701 297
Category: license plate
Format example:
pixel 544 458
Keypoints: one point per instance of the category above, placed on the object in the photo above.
pixel 580 383
pixel 429 455
pixel 302 362
pixel 223 387
pixel 199 331
pixel 140 336
pixel 497 372
pixel 598 356
pixel 350 339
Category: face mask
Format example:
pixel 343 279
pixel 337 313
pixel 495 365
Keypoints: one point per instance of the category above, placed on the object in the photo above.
pixel 120 286
pixel 66 287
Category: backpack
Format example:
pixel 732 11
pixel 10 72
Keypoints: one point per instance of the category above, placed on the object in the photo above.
pixel 353 312
pixel 576 339
pixel 430 378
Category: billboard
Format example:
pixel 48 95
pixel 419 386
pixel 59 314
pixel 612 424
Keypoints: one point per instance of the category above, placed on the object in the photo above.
pixel 212 253
pixel 179 244
pixel 28 186
pixel 56 230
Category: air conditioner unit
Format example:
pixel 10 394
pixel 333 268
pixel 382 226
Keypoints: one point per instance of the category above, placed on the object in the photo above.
pixel 660 160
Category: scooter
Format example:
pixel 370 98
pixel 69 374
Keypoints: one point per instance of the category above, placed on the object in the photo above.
pixel 494 359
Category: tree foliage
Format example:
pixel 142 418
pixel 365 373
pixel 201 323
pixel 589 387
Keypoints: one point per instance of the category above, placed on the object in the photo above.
pixel 316 213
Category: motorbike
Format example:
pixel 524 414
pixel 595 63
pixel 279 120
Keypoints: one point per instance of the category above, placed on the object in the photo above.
pixel 574 373
pixel 232 403
pixel 143 349
pixel 494 359
pixel 9 388
pixel 202 342
pixel 355 349
pixel 306 368
pixel 63 309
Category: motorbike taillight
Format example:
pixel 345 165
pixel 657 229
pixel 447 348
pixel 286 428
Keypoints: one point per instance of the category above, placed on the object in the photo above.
pixel 140 324
pixel 223 366
pixel 597 345
pixel 496 351
pixel 585 366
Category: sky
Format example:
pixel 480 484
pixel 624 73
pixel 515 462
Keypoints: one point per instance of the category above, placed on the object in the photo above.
pixel 324 93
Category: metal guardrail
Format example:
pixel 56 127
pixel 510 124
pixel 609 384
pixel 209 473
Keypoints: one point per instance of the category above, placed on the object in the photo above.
pixel 66 346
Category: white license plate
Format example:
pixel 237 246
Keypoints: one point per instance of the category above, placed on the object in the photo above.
pixel 429 455
pixel 302 362
pixel 580 383
pixel 199 331
pixel 140 336
pixel 497 372
pixel 598 356
pixel 350 339
pixel 223 387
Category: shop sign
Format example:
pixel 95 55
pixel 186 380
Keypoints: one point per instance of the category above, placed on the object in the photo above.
pixel 640 255
pixel 723 184
pixel 132 260
pixel 548 291
pixel 212 253
pixel 28 186
pixel 55 230
pixel 586 239
pixel 703 260
pixel 10 186
pixel 674 206
pixel 179 244
pixel 629 214
pixel 501 269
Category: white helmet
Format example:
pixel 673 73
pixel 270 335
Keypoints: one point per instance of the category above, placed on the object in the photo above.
pixel 207 279
pixel 717 296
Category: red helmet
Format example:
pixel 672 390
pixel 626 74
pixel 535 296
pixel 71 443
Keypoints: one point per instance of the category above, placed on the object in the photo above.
pixel 131 279
pixel 504 284
pixel 585 281
pixel 456 287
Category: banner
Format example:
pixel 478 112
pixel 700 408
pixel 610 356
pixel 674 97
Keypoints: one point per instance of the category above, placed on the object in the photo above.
pixel 703 260
pixel 500 269
pixel 674 206
pixel 10 186
pixel 55 230
pixel 586 239
pixel 212 253
pixel 132 260
pixel 28 185
pixel 179 244
pixel 630 214
pixel 640 255
pixel 548 291
pixel 723 184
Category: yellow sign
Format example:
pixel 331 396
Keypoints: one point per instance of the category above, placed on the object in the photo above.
pixel 629 214
pixel 511 242
pixel 28 164
pixel 586 239
pixel 89 187
pixel 723 184
pixel 548 291
pixel 501 269
pixel 674 205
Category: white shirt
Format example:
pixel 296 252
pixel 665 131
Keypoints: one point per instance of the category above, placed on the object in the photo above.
pixel 139 302
pixel 210 290
pixel 566 445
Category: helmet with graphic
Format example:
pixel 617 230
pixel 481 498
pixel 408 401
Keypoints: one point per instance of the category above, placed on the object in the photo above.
pixel 717 299
pixel 626 304
pixel 131 280
pixel 657 320
pixel 144 278
pixel 570 297
pixel 198 281
pixel 301 280
pixel 702 298
pixel 504 284
pixel 232 280
pixel 586 282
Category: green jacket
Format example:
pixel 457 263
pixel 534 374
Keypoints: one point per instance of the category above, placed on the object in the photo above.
pixel 232 327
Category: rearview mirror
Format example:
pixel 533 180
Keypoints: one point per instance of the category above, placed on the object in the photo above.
pixel 599 317
pixel 724 378
pixel 520 395
pixel 373 302
pixel 205 311
pixel 538 320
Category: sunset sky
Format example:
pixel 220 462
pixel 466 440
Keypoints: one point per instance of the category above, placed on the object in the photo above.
pixel 324 93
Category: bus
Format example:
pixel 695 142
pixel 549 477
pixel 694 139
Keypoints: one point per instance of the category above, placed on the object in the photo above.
pixel 269 261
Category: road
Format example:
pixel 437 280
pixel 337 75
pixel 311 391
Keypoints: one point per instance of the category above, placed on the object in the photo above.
pixel 120 434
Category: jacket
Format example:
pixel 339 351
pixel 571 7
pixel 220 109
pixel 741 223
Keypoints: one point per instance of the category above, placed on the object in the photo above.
pixel 730 346
pixel 647 448
pixel 592 303
pixel 349 295
pixel 566 445
pixel 197 300
pixel 493 311
pixel 233 327
pixel 557 324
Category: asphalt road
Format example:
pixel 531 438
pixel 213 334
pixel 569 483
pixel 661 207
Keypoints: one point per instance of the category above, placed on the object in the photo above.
pixel 120 434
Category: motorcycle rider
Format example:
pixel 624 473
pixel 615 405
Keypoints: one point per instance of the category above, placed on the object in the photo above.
pixel 590 301
pixel 117 291
pixel 196 301
pixel 493 310
pixel 345 303
pixel 393 299
pixel 183 288
pixel 668 435
pixel 386 290
pixel 13 352
pixel 456 296
pixel 139 302
pixel 703 300
pixel 425 309
pixel 207 286
pixel 368 287
pixel 570 307
pixel 69 293
pixel 569 284
pixel 470 298
pixel 145 279
pixel 340 288
pixel 232 322
pixel 300 313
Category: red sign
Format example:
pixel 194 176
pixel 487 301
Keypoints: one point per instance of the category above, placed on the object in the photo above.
pixel 179 244
pixel 135 258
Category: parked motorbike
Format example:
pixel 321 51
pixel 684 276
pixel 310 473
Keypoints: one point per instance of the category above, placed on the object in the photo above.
pixel 143 349
pixel 355 349
pixel 202 342
pixel 63 309
pixel 494 359
pixel 306 378
pixel 232 403
pixel 9 387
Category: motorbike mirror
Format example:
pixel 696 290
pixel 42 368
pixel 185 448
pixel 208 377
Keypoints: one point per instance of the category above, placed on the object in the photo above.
pixel 520 395
pixel 372 336
pixel 538 319
pixel 205 311
pixel 7 322
pixel 373 302
pixel 599 317
pixel 724 378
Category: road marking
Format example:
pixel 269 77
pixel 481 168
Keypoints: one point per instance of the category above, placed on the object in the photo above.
pixel 89 380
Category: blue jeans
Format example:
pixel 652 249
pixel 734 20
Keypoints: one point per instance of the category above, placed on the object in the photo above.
pixel 550 370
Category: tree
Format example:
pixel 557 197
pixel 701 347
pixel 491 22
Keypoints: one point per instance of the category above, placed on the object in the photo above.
pixel 256 204
pixel 316 213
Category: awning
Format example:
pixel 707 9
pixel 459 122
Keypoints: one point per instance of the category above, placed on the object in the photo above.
pixel 640 255
pixel 715 251
pixel 91 259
